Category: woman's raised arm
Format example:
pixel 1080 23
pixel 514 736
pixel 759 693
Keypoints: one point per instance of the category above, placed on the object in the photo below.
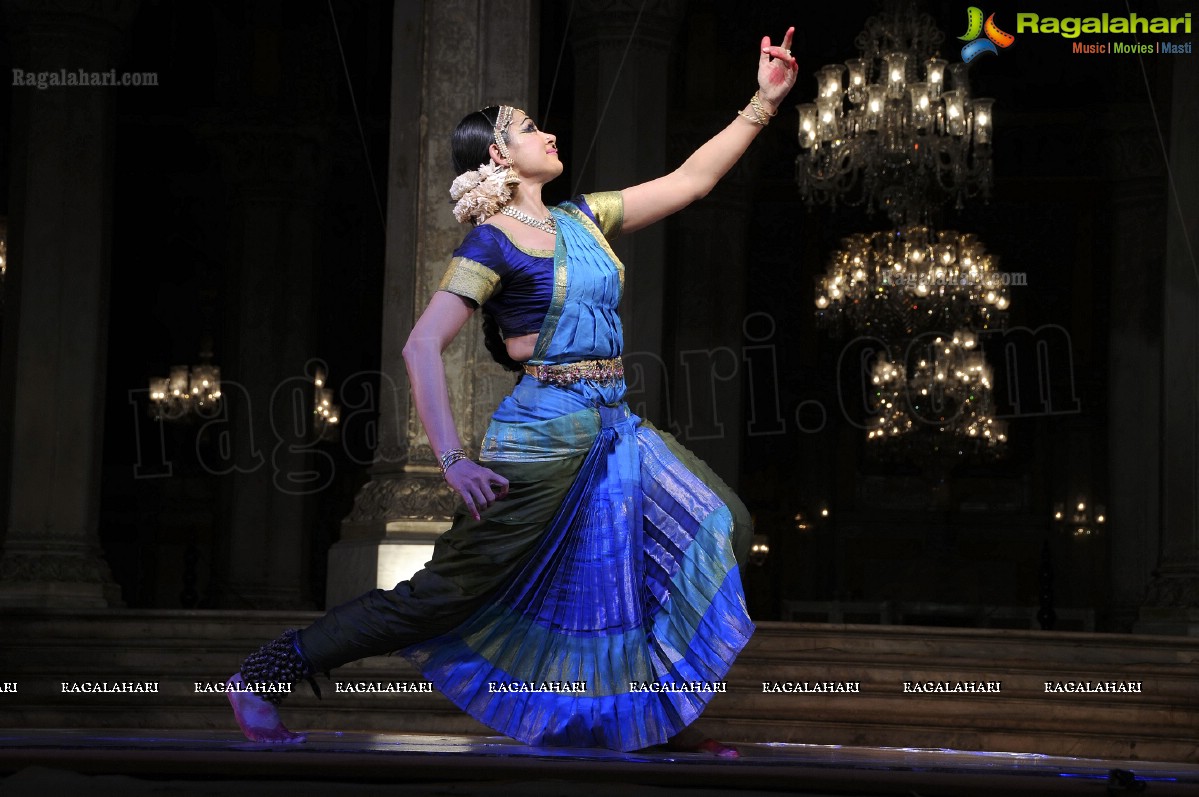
pixel 436 328
pixel 649 202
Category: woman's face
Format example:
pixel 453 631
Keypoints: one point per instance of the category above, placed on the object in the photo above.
pixel 532 153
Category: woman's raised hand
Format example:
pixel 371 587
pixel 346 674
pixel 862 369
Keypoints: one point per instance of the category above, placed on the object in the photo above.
pixel 478 486
pixel 776 70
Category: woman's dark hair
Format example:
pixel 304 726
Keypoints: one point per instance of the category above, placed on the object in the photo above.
pixel 471 138
pixel 495 344
pixel 468 147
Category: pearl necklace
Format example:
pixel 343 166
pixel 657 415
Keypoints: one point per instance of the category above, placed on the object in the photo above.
pixel 545 225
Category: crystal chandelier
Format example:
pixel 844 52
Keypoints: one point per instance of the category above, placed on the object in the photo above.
pixel 946 388
pixel 187 391
pixel 895 128
pixel 912 279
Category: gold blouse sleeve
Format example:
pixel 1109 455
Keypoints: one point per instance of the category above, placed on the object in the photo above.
pixel 608 207
pixel 470 279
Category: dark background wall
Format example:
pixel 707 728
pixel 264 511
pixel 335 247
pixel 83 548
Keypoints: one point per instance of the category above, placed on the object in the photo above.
pixel 1076 155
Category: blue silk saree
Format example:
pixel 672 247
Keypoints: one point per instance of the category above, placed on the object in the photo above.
pixel 619 608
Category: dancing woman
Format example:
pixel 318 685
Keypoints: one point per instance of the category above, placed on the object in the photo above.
pixel 588 593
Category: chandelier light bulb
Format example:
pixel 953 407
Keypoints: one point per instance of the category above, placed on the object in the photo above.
pixel 982 120
pixel 934 73
pixel 896 71
pixel 828 81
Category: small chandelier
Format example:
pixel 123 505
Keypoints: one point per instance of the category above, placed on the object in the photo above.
pixel 948 389
pixel 1080 519
pixel 912 279
pixel 805 521
pixel 3 260
pixel 895 128
pixel 326 414
pixel 187 391
pixel 759 549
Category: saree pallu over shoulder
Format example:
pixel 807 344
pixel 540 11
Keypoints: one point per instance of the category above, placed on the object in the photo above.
pixel 582 322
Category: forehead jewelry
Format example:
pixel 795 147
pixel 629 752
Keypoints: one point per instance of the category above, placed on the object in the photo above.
pixel 502 120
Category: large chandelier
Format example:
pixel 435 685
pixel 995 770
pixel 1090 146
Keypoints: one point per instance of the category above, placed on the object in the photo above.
pixel 903 287
pixel 903 281
pixel 895 128
pixel 945 386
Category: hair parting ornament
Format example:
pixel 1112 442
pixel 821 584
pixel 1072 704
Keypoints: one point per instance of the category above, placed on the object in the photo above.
pixel 502 120
pixel 482 192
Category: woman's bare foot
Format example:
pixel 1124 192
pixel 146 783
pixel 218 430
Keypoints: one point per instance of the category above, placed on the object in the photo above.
pixel 259 720
pixel 693 741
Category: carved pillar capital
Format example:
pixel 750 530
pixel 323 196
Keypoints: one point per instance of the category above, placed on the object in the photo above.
pixel 1173 591
pixel 413 493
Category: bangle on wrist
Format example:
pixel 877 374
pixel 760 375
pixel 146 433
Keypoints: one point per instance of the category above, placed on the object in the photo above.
pixel 762 104
pixel 760 115
pixel 451 456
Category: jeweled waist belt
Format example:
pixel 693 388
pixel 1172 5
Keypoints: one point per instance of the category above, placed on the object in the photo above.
pixel 603 371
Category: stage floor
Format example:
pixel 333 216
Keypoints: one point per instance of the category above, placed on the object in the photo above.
pixel 53 762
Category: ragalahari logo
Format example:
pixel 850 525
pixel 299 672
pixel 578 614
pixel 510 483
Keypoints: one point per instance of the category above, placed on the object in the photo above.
pixel 975 27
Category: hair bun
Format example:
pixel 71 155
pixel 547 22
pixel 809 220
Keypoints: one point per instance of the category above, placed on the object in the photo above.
pixel 480 193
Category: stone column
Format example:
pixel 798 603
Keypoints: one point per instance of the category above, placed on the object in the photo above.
pixel 621 112
pixel 56 314
pixel 1172 606
pixel 276 89
pixel 274 171
pixel 1137 251
pixel 449 58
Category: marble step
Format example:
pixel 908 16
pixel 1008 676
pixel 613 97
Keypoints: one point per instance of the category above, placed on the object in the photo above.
pixel 178 649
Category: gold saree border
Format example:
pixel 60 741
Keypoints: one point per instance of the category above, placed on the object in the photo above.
pixel 470 278
pixel 608 207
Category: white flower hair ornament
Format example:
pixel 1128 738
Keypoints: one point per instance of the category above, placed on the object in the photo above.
pixel 481 193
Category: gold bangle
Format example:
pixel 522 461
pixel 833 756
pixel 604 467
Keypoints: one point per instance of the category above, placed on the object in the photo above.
pixel 757 121
pixel 760 116
pixel 756 102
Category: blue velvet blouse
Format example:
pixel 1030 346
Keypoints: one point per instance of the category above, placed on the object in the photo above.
pixel 514 284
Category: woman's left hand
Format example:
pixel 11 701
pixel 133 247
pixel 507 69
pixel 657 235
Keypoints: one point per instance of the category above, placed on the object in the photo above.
pixel 777 70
